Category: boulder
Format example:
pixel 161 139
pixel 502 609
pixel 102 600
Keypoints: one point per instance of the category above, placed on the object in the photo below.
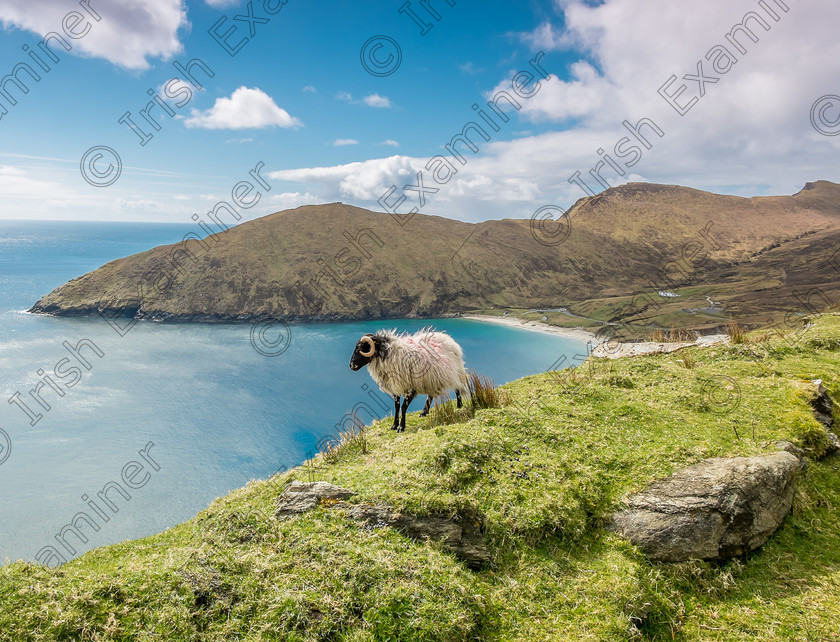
pixel 822 404
pixel 300 497
pixel 460 535
pixel 716 509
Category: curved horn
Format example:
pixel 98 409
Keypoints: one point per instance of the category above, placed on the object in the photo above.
pixel 371 349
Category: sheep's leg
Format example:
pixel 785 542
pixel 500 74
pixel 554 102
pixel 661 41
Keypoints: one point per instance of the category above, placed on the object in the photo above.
pixel 396 413
pixel 458 397
pixel 427 406
pixel 406 400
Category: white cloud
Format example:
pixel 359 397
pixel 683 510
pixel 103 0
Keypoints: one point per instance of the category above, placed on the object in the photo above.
pixel 750 133
pixel 362 181
pixel 556 99
pixel 341 142
pixel 309 89
pixel 289 200
pixel 245 109
pixel 375 100
pixel 239 140
pixel 390 142
pixel 469 68
pixel 127 33
pixel 220 4
pixel 547 38
pixel 344 95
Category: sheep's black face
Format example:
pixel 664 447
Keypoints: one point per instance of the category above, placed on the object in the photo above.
pixel 363 354
pixel 358 361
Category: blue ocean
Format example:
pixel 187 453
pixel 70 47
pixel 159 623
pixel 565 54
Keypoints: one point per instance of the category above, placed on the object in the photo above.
pixel 184 412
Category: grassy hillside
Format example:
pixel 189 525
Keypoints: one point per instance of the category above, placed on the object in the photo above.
pixel 336 262
pixel 543 470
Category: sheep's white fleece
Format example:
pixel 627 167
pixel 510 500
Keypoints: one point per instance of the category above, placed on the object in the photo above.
pixel 427 362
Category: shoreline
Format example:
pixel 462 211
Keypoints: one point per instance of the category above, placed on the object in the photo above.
pixel 615 350
pixel 578 334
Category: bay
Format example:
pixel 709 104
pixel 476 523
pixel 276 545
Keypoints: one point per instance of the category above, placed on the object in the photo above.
pixel 184 412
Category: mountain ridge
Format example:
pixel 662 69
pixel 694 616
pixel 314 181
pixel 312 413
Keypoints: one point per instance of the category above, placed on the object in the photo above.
pixel 337 262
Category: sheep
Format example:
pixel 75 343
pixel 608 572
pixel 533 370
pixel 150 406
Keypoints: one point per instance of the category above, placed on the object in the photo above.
pixel 426 362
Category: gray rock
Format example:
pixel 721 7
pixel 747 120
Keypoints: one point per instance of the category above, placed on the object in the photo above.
pixel 796 451
pixel 300 497
pixel 788 447
pixel 460 535
pixel 716 509
pixel 835 442
pixel 823 405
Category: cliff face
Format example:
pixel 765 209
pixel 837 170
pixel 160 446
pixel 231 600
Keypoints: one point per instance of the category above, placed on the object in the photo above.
pixel 338 262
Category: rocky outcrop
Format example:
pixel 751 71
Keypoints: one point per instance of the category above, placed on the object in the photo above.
pixel 823 407
pixel 459 534
pixel 716 509
pixel 300 497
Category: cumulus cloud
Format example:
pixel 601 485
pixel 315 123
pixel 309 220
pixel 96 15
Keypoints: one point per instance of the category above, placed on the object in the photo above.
pixel 469 68
pixel 547 38
pixel 127 33
pixel 362 181
pixel 391 142
pixel 245 109
pixel 341 142
pixel 557 99
pixel 750 133
pixel 375 100
pixel 290 200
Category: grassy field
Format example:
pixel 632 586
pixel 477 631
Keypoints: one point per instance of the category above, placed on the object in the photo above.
pixel 544 469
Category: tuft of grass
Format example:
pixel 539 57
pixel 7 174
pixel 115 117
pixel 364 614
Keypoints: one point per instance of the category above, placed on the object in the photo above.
pixel 736 332
pixel 682 335
pixel 688 359
pixel 351 441
pixel 657 336
pixel 445 411
pixel 484 393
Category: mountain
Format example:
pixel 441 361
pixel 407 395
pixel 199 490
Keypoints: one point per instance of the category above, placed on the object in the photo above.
pixel 338 262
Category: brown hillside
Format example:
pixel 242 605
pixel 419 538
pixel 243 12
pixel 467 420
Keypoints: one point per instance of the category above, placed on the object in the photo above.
pixel 336 261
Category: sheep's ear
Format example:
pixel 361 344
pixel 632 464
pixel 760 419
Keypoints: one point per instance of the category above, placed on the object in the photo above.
pixel 381 346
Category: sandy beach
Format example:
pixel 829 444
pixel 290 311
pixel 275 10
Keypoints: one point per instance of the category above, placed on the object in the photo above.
pixel 612 350
pixel 579 334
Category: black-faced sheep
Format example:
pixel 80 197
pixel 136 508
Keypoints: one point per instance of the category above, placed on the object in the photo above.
pixel 426 363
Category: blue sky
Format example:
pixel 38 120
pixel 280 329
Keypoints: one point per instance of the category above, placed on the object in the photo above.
pixel 297 98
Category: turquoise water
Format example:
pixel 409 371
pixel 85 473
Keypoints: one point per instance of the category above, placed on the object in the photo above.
pixel 216 411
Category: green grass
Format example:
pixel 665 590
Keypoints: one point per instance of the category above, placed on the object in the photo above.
pixel 544 470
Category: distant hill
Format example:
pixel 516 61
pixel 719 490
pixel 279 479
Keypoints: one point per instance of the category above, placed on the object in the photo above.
pixel 338 262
